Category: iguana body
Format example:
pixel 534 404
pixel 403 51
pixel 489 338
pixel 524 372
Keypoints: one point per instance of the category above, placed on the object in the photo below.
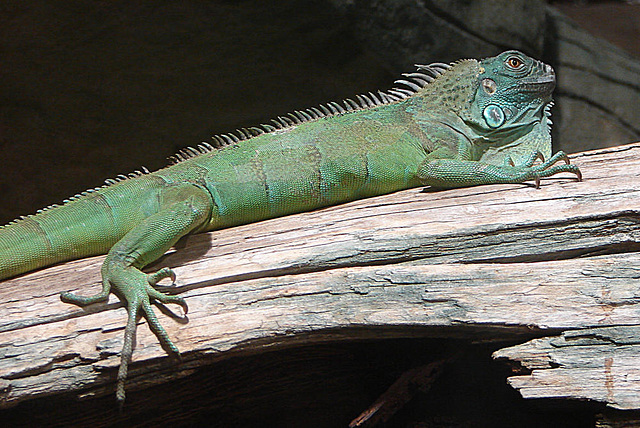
pixel 459 125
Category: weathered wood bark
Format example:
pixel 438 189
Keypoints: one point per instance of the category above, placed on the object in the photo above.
pixel 489 262
pixel 594 363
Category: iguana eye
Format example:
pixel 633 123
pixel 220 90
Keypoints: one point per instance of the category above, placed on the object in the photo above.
pixel 514 62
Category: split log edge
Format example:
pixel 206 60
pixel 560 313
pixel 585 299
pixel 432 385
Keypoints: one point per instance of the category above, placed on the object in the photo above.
pixel 482 263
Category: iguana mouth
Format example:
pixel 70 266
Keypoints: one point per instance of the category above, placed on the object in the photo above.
pixel 544 84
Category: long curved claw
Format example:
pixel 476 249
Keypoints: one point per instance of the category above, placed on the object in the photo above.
pixel 508 161
pixel 539 156
pixel 163 273
pixel 556 169
pixel 559 156
pixel 536 155
pixel 563 156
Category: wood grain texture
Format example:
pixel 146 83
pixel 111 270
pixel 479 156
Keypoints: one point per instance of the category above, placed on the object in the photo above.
pixel 504 261
pixel 595 363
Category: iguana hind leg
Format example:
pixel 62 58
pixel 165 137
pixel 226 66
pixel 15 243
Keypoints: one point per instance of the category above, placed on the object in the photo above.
pixel 184 209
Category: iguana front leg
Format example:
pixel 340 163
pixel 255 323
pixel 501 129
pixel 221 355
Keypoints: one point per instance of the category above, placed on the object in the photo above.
pixel 447 173
pixel 185 207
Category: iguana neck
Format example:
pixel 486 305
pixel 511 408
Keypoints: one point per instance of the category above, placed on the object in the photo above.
pixel 452 92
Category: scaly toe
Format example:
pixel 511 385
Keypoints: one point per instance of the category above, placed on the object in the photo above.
pixel 166 299
pixel 163 273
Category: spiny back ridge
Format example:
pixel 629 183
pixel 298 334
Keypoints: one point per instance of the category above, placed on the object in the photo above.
pixel 108 182
pixel 413 82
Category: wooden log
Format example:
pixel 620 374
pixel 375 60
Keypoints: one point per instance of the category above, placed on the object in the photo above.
pixel 598 364
pixel 503 261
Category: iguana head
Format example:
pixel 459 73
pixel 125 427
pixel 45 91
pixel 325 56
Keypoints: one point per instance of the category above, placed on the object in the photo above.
pixel 510 106
pixel 499 104
pixel 513 90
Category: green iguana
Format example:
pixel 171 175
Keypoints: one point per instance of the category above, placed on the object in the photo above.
pixel 461 124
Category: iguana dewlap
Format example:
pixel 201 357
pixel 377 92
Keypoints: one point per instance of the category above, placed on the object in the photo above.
pixel 468 123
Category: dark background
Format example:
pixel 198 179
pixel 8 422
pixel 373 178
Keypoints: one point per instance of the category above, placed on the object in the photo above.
pixel 90 90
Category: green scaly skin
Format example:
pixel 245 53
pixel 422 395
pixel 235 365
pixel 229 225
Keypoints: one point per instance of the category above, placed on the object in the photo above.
pixel 464 124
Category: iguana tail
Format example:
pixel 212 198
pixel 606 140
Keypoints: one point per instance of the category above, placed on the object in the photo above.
pixel 85 225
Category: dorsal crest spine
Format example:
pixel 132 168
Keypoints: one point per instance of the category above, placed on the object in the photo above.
pixel 413 82
pixel 425 75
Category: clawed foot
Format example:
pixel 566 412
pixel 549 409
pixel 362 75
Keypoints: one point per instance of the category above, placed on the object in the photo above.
pixel 136 288
pixel 549 167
